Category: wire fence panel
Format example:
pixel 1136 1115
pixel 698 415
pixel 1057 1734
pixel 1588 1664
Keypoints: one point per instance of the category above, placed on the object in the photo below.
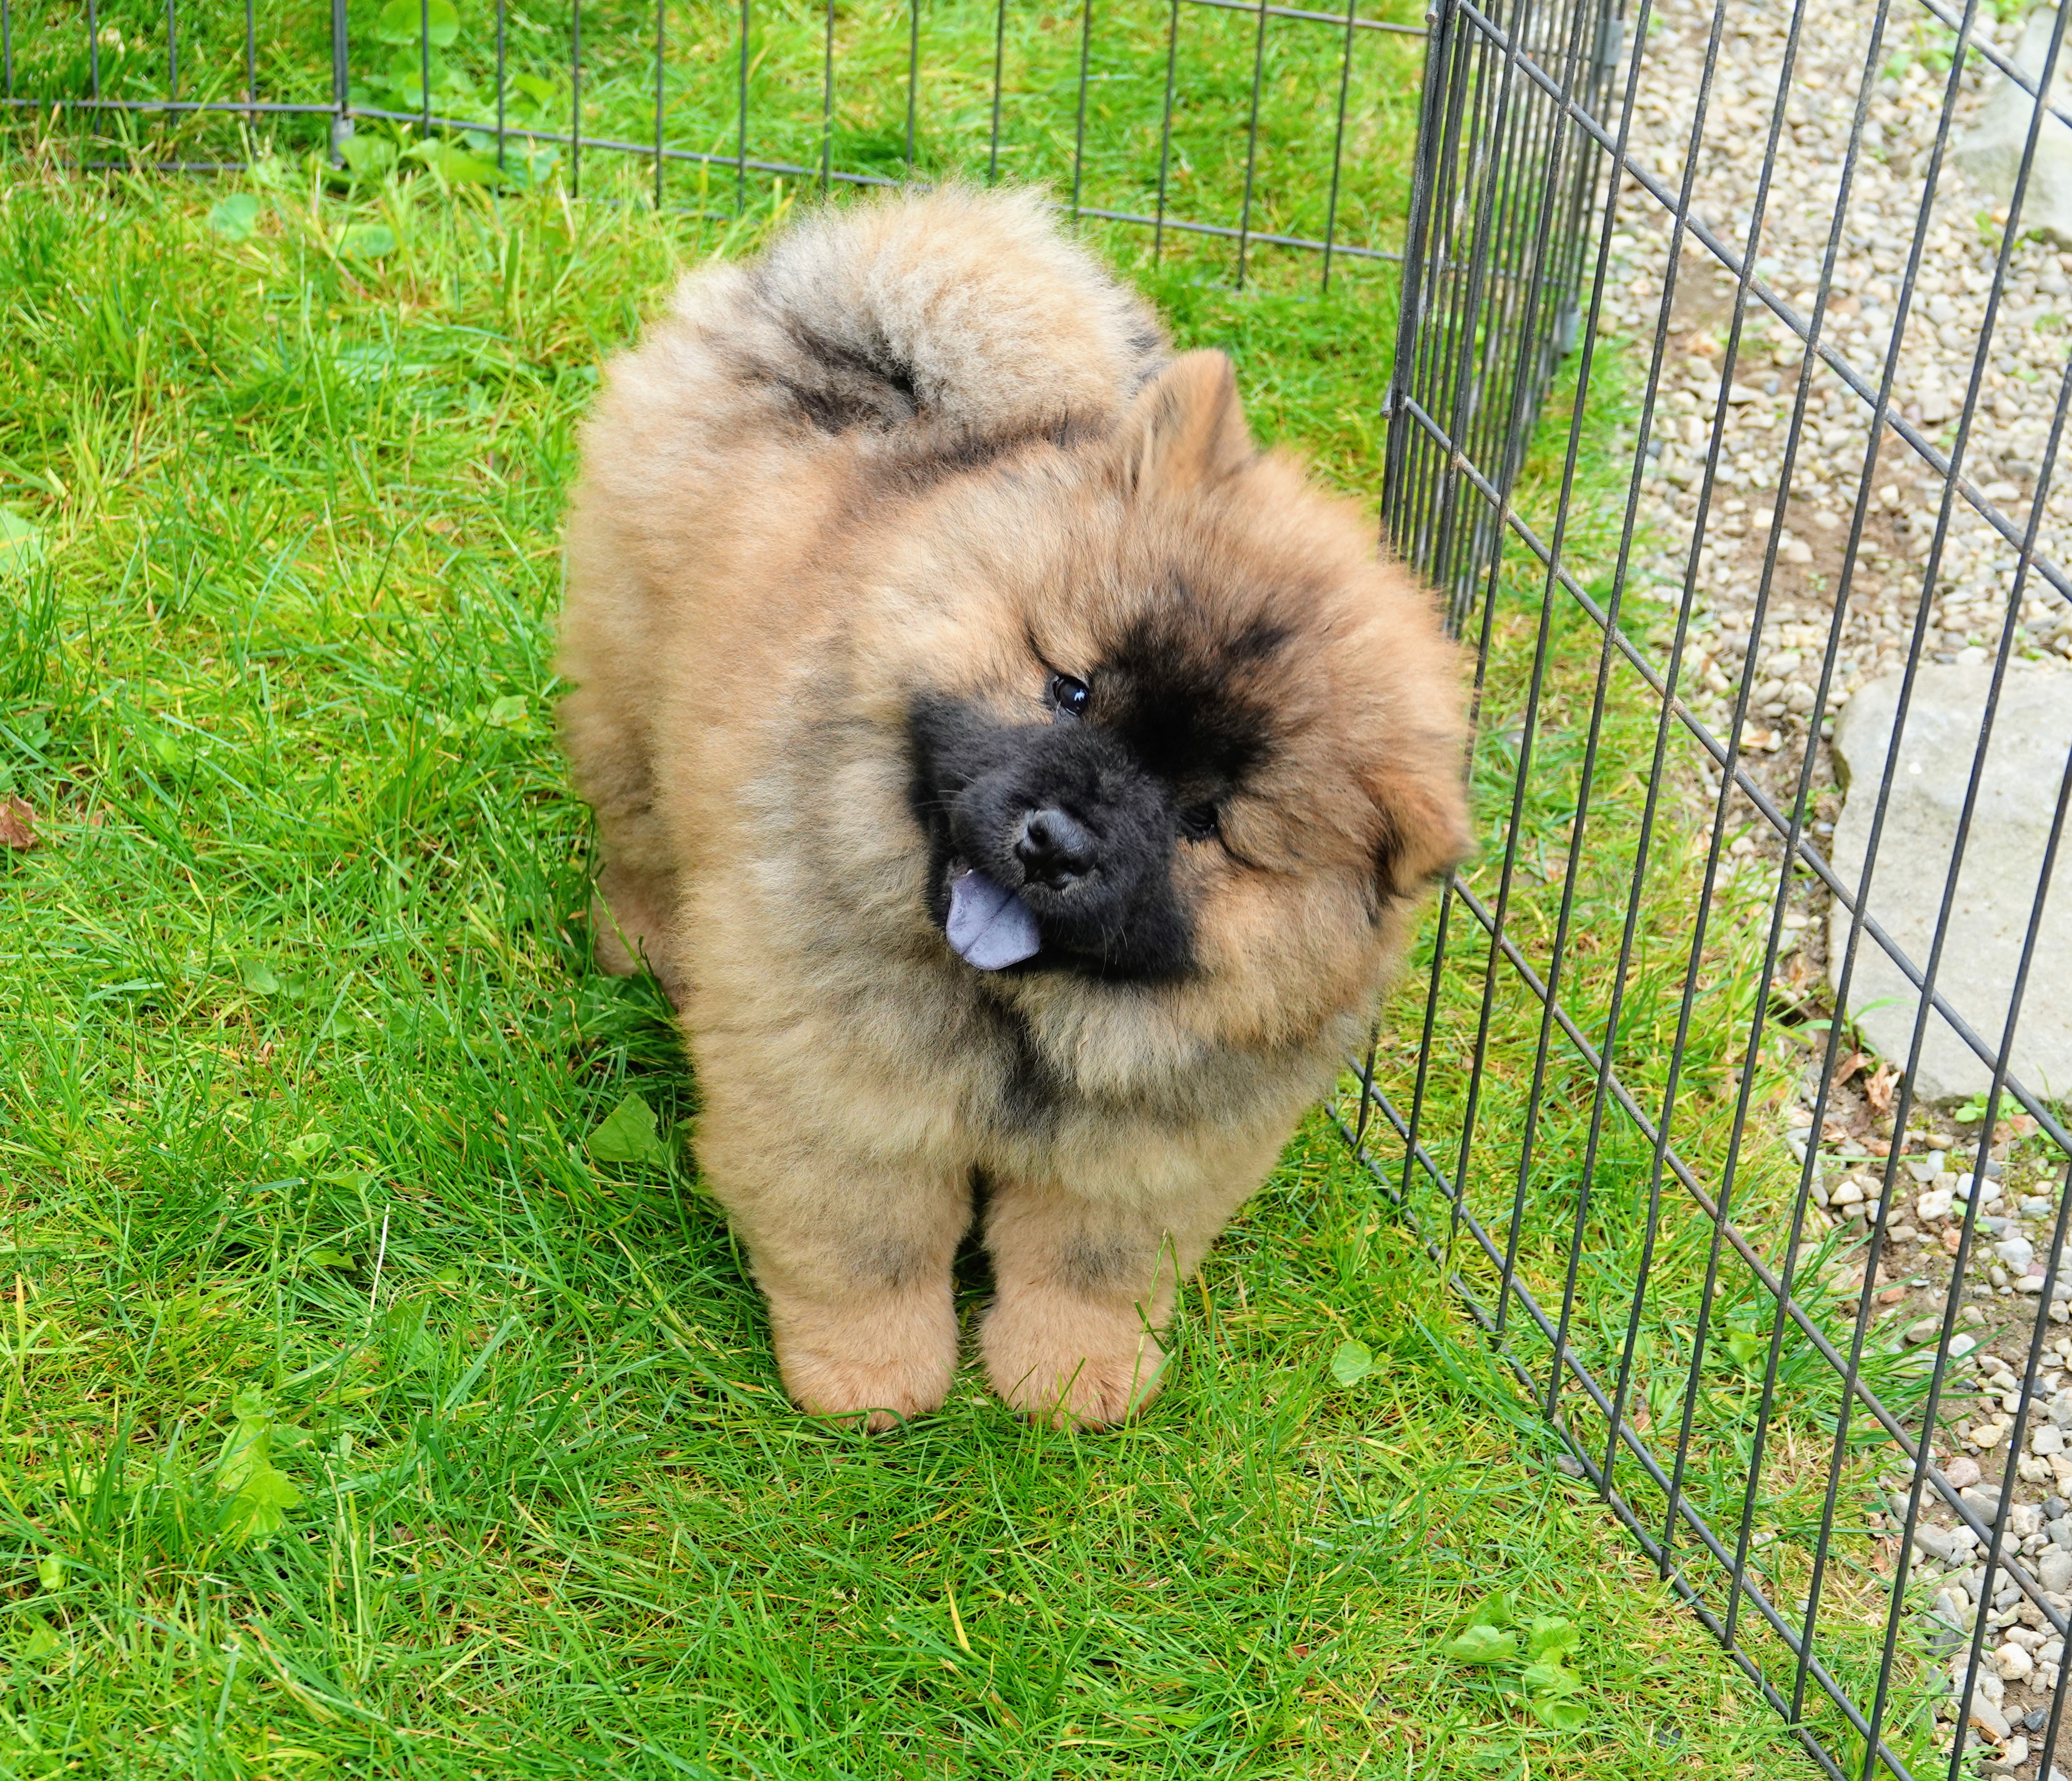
pixel 1736 1107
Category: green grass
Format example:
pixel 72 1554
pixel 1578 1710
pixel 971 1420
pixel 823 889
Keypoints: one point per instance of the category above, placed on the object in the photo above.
pixel 357 1418
pixel 354 1420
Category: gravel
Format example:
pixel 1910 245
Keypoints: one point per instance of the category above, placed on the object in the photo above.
pixel 2006 447
pixel 2002 1297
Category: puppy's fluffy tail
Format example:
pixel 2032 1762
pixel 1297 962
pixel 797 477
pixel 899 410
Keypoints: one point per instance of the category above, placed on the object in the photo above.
pixel 963 314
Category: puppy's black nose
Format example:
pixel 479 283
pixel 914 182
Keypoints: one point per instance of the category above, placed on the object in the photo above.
pixel 1053 849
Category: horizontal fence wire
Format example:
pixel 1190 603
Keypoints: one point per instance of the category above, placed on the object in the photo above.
pixel 1782 1395
pixel 508 118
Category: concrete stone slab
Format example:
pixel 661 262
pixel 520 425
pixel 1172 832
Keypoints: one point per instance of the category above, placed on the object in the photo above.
pixel 2003 860
pixel 1991 153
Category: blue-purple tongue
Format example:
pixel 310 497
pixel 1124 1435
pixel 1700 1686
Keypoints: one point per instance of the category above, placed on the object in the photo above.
pixel 989 926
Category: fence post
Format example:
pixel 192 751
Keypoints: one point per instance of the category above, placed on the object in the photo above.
pixel 1439 19
pixel 341 83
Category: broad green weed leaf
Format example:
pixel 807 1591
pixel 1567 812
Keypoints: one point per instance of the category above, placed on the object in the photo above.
pixel 234 218
pixel 246 1449
pixel 1482 1645
pixel 1351 1362
pixel 41 1643
pixel 367 155
pixel 1492 1610
pixel 259 1491
pixel 257 976
pixel 328 1258
pixel 627 1134
pixel 1553 1639
pixel 309 1145
pixel 367 241
pixel 1744 1349
pixel 50 1571
pixel 1564 1715
pixel 258 1510
pixel 457 166
pixel 20 544
pixel 1546 1677
pixel 404 21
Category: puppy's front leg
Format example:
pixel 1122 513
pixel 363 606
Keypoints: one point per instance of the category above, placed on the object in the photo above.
pixel 857 1270
pixel 1083 1287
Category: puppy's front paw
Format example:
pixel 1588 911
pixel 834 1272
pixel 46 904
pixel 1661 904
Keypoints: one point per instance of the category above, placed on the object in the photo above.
pixel 882 1363
pixel 1066 1361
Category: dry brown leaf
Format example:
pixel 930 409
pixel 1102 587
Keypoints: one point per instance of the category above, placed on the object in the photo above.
pixel 1878 1088
pixel 18 824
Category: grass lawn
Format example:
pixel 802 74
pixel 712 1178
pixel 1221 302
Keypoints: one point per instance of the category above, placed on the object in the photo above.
pixel 362 1411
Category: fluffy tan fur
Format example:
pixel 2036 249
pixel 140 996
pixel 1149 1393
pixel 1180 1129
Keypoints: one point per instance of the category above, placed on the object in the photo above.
pixel 928 447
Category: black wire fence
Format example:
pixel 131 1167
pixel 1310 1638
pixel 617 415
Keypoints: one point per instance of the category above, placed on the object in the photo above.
pixel 1761 1284
pixel 1796 1318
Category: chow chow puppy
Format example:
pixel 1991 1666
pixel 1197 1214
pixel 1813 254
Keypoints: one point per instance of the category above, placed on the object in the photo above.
pixel 1019 782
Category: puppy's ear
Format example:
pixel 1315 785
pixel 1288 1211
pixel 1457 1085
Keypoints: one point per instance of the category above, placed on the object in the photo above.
pixel 1423 831
pixel 1185 427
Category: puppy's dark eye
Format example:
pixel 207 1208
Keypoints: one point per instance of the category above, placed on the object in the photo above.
pixel 1199 821
pixel 1069 696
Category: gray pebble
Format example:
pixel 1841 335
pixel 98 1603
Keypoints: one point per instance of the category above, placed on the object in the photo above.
pixel 1942 1543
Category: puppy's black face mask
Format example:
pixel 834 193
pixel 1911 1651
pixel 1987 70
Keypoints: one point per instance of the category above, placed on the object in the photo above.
pixel 1068 822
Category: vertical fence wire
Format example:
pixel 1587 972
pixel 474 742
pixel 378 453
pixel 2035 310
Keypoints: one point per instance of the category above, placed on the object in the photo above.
pixel 502 81
pixel 341 79
pixel 1165 133
pixel 827 104
pixel 740 104
pixel 913 76
pixel 999 71
pixel 1079 110
pixel 1337 137
pixel 1251 143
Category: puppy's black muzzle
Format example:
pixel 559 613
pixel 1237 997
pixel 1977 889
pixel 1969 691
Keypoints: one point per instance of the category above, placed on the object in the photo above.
pixel 1064 816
